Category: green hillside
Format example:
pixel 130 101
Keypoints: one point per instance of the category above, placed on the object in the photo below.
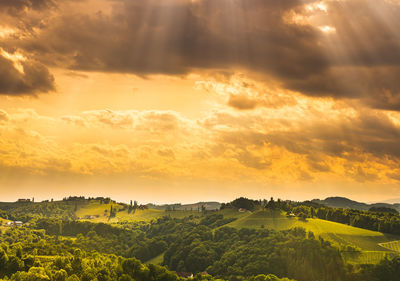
pixel 3 221
pixel 374 246
pixel 366 257
pixel 157 260
pixel 366 240
pixel 392 246
pixel 340 234
pixel 95 211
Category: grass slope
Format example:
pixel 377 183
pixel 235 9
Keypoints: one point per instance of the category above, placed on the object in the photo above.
pixel 156 260
pixel 366 257
pixel 393 246
pixel 3 221
pixel 150 214
pixel 366 240
pixel 95 208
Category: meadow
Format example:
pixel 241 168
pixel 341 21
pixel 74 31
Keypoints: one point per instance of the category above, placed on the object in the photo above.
pixel 338 233
pixel 100 213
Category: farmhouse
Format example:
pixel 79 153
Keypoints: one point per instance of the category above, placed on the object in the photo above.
pixel 23 200
pixel 242 210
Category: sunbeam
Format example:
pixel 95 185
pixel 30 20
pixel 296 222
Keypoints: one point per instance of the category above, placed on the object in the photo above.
pixel 261 94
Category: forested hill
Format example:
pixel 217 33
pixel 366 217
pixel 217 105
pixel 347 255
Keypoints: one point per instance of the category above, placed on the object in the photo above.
pixel 342 202
pixel 99 239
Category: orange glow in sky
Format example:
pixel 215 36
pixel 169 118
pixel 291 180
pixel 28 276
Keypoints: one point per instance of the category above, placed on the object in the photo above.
pixel 183 101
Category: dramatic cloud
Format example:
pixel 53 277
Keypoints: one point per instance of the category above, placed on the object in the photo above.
pixel 23 77
pixel 298 140
pixel 344 49
pixel 244 94
pixel 16 6
pixel 266 91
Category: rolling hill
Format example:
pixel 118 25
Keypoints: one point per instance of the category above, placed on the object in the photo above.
pixel 340 234
pixel 373 245
pixel 342 202
pixel 96 212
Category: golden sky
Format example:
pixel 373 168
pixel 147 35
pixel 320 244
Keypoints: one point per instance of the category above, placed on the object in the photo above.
pixel 190 100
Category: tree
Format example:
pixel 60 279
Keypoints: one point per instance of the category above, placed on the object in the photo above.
pixel 73 277
pixel 312 210
pixel 244 203
pixel 34 274
pixel 60 275
pixel 383 210
pixel 113 212
pixel 271 204
pixel 125 277
pixel 3 261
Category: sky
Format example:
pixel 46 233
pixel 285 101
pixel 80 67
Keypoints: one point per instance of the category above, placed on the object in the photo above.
pixel 200 100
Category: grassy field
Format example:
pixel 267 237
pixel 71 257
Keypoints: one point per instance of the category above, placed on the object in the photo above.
pixel 102 211
pixel 374 245
pixel 94 208
pixel 157 260
pixel 151 214
pixel 3 221
pixel 393 246
pixel 231 213
pixel 366 240
pixel 366 257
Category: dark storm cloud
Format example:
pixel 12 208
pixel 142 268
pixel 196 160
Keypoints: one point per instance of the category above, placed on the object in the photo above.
pixel 360 60
pixel 35 78
pixel 175 36
pixel 364 55
pixel 22 17
pixel 16 6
